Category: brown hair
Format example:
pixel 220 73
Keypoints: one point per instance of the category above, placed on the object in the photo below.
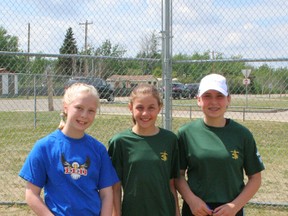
pixel 145 89
pixel 71 94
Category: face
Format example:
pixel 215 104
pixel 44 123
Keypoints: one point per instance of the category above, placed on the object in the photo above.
pixel 145 109
pixel 213 104
pixel 80 114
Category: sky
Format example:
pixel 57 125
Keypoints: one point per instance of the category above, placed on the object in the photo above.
pixel 247 28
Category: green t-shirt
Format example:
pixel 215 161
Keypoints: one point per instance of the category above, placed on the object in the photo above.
pixel 145 165
pixel 215 159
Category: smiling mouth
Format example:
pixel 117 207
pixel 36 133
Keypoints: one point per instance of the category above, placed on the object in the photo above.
pixel 81 122
pixel 145 120
pixel 214 109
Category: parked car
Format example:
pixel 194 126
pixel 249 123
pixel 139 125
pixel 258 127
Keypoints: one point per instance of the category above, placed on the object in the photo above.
pixel 191 90
pixel 104 89
pixel 177 90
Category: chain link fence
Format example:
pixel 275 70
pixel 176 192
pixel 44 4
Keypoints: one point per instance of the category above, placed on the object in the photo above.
pixel 43 45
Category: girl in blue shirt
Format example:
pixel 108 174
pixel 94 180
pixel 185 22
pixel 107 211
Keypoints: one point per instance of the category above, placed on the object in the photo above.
pixel 73 167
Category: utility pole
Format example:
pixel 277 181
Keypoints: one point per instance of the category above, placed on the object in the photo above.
pixel 28 51
pixel 85 46
pixel 28 47
pixel 213 64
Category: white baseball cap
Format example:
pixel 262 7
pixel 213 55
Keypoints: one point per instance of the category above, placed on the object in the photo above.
pixel 213 82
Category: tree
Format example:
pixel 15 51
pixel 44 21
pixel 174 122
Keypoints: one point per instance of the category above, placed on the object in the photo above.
pixel 8 43
pixel 67 66
pixel 105 66
pixel 38 65
pixel 188 72
pixel 149 49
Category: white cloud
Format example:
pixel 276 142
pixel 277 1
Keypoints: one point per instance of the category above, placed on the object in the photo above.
pixel 253 29
pixel 248 26
pixel 232 39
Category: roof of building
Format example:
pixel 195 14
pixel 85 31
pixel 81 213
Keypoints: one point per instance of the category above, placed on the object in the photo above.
pixel 4 70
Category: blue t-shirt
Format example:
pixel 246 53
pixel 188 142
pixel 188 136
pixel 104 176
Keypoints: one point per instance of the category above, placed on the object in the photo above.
pixel 72 171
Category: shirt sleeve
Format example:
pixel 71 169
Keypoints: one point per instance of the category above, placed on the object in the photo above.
pixel 175 160
pixel 34 169
pixel 114 152
pixel 108 175
pixel 182 155
pixel 252 159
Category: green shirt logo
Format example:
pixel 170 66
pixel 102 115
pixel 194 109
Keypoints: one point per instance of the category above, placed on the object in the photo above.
pixel 235 154
pixel 164 156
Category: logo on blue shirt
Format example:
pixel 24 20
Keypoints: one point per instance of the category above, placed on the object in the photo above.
pixel 75 169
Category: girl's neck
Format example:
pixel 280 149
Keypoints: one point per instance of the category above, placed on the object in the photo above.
pixel 145 131
pixel 73 134
pixel 215 122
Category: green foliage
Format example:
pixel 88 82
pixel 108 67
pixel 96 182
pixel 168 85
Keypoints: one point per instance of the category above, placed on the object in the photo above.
pixel 187 68
pixel 69 46
pixel 263 79
pixel 38 65
pixel 107 49
pixel 108 66
pixel 66 66
pixel 157 72
pixel 270 80
pixel 187 71
pixel 9 43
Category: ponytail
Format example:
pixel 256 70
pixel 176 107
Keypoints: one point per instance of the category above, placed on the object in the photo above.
pixel 63 117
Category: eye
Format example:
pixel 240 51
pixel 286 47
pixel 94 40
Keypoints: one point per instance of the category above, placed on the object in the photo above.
pixel 92 111
pixel 139 108
pixel 78 107
pixel 206 96
pixel 220 96
pixel 151 108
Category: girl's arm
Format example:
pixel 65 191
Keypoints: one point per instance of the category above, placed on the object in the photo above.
pixel 34 200
pixel 197 205
pixel 250 189
pixel 106 196
pixel 117 196
pixel 175 194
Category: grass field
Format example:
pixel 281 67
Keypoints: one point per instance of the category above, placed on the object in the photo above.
pixel 18 135
pixel 23 210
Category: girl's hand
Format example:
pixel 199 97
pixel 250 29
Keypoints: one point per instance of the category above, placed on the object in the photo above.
pixel 199 207
pixel 227 209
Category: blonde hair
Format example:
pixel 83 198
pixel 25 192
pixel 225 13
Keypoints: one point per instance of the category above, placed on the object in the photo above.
pixel 145 89
pixel 71 94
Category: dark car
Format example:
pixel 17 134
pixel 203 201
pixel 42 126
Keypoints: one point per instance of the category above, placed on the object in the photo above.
pixel 104 89
pixel 177 90
pixel 191 90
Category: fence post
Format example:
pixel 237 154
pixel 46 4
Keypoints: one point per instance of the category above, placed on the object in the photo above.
pixel 49 88
pixel 167 62
pixel 35 101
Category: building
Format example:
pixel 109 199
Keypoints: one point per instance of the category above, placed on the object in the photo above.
pixel 130 81
pixel 8 83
